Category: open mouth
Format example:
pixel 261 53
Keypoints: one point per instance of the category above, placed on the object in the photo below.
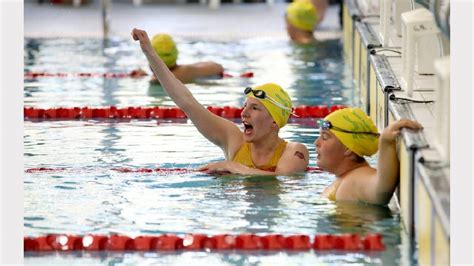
pixel 248 128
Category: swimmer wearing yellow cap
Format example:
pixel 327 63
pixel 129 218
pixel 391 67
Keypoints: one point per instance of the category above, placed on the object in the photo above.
pixel 258 150
pixel 165 48
pixel 347 135
pixel 302 16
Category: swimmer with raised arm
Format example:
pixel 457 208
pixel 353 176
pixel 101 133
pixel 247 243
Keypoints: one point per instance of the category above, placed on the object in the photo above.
pixel 258 150
pixel 348 135
pixel 166 49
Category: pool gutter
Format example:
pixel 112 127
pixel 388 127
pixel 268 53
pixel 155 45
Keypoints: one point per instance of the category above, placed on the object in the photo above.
pixel 424 190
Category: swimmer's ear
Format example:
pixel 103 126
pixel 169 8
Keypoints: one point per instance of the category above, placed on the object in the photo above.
pixel 348 152
pixel 275 124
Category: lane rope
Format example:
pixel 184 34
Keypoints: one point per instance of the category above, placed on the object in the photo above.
pixel 190 242
pixel 131 74
pixel 157 112
pixel 143 170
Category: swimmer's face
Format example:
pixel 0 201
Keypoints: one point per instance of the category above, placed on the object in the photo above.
pixel 330 151
pixel 291 30
pixel 256 120
pixel 298 35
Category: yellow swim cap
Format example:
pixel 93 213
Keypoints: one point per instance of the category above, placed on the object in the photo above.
pixel 275 93
pixel 165 47
pixel 302 14
pixel 354 120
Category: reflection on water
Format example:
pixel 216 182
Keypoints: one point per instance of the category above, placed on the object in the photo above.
pixel 261 195
pixel 349 216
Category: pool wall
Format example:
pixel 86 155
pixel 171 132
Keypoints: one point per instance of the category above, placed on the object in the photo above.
pixel 373 48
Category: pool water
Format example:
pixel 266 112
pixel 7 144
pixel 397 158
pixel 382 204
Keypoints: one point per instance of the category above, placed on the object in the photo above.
pixel 312 74
pixel 88 196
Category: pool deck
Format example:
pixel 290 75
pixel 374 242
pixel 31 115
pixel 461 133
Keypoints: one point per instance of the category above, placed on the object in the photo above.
pixel 229 22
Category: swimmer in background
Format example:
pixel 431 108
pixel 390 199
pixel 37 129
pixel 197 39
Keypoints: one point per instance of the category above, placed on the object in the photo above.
pixel 302 17
pixel 166 49
pixel 348 135
pixel 258 150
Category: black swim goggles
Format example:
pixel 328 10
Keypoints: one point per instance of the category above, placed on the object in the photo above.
pixel 262 95
pixel 325 124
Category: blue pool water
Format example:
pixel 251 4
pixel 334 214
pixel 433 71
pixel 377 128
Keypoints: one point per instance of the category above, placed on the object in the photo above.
pixel 89 197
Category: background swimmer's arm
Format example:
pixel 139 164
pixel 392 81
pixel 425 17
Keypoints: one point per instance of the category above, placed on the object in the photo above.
pixel 294 159
pixel 191 72
pixel 206 69
pixel 387 176
pixel 218 130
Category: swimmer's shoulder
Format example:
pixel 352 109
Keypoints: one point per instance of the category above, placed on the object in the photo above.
pixel 298 149
pixel 293 145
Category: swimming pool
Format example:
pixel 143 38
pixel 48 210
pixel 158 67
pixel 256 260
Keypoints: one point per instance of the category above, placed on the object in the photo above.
pixel 88 196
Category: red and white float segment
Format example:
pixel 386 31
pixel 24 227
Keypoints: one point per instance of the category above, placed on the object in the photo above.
pixel 131 74
pixel 157 112
pixel 142 170
pixel 189 242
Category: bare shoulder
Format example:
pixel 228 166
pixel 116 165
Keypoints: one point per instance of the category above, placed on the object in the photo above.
pixel 359 183
pixel 362 175
pixel 362 178
pixel 297 149
pixel 296 146
pixel 294 159
pixel 364 172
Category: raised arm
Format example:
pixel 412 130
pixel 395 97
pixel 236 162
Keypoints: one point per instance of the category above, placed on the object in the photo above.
pixel 218 130
pixel 387 175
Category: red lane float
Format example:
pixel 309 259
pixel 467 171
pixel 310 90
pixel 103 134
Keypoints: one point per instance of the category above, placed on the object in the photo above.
pixel 171 242
pixel 157 112
pixel 145 170
pixel 273 242
pixel 373 242
pixel 220 242
pixel 44 169
pixel 107 113
pixel 323 242
pixel 243 75
pixel 34 75
pixel 297 242
pixel 131 74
